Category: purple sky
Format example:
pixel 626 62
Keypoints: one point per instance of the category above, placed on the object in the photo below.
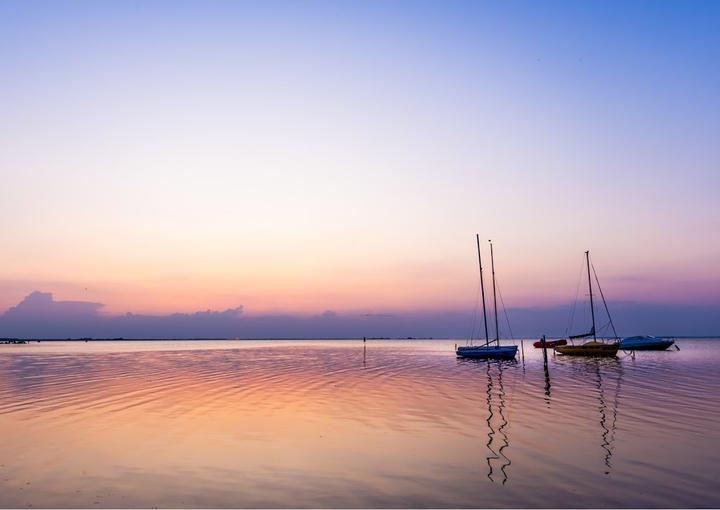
pixel 296 157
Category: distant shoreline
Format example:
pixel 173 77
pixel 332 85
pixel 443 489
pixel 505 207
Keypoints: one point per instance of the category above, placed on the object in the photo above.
pixel 212 339
pixel 7 340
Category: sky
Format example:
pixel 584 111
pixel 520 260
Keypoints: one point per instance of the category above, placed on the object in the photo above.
pixel 288 159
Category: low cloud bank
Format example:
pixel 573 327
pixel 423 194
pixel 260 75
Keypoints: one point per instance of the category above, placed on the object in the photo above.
pixel 40 316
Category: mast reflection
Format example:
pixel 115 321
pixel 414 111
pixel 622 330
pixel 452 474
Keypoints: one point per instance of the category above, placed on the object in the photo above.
pixel 608 417
pixel 498 440
pixel 608 373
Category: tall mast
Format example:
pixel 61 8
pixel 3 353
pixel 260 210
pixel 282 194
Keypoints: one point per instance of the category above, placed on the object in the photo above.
pixel 482 289
pixel 592 308
pixel 492 265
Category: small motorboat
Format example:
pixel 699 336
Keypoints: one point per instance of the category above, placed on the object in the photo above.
pixel 550 344
pixel 645 343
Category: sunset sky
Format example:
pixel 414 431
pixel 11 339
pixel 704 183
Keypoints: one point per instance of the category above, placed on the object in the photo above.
pixel 297 157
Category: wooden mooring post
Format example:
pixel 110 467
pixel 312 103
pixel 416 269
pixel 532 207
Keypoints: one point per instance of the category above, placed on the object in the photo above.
pixel 545 365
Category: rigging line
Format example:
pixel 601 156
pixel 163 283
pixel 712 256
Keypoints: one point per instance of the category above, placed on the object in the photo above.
pixel 475 312
pixel 602 328
pixel 577 294
pixel 492 266
pixel 507 319
pixel 604 302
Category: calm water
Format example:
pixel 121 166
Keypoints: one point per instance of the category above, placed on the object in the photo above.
pixel 331 424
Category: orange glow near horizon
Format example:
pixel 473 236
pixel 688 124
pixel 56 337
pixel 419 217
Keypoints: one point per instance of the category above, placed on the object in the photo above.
pixel 449 285
pixel 341 164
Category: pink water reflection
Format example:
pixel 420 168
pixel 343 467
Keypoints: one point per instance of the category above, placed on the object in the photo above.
pixel 339 424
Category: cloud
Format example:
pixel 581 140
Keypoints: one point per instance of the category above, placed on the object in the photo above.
pixel 39 316
pixel 42 305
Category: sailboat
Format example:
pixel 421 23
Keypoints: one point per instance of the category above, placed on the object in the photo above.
pixel 487 351
pixel 592 348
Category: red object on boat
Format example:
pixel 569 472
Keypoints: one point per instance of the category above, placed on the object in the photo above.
pixel 550 343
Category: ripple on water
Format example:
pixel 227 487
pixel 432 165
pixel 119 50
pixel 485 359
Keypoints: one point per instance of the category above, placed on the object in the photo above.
pixel 388 423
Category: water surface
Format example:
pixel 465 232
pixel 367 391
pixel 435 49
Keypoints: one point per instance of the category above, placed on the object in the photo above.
pixel 342 424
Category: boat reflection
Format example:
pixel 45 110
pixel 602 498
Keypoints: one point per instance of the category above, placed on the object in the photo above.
pixel 607 374
pixel 498 440
pixel 502 436
pixel 608 418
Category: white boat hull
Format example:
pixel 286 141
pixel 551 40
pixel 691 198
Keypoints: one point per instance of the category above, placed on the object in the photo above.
pixel 645 343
